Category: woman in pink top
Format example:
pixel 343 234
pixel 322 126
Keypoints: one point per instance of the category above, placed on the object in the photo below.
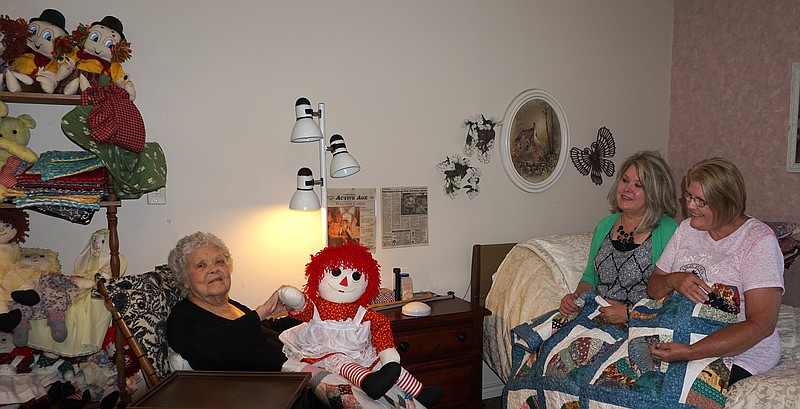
pixel 719 243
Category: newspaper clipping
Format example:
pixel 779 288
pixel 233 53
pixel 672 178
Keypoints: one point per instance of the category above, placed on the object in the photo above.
pixel 404 213
pixel 351 217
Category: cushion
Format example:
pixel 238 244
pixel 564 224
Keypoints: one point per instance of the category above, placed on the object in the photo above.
pixel 144 302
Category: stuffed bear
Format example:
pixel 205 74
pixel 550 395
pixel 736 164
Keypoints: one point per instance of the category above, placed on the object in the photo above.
pixel 56 290
pixel 17 281
pixel 15 133
pixel 101 50
pixel 339 333
pixel 39 62
pixel 14 36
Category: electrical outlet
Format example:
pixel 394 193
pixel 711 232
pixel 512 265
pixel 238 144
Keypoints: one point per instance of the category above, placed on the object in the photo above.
pixel 157 197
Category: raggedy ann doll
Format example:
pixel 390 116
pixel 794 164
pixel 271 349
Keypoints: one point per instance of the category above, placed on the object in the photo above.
pixel 339 333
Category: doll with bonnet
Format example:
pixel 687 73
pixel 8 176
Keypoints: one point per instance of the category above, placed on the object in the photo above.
pixel 96 258
pixel 339 333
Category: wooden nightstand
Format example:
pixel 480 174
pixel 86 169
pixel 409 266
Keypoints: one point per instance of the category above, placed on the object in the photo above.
pixel 444 349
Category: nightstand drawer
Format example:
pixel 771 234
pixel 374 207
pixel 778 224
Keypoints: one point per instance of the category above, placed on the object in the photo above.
pixel 444 340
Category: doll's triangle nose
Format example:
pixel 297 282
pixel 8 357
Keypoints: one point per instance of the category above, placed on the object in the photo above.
pixel 343 283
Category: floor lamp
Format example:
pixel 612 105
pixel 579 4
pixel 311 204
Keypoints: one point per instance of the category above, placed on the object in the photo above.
pixel 342 163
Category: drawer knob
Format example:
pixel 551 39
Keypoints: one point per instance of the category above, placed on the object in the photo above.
pixel 462 337
pixel 403 347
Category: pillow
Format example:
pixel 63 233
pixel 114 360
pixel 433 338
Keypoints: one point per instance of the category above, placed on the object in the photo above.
pixel 144 301
pixel 784 229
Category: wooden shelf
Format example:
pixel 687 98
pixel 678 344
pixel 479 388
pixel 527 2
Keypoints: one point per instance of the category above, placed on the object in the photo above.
pixel 40 98
pixel 104 203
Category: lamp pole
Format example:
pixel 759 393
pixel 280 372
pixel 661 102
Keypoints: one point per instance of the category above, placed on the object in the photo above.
pixel 322 172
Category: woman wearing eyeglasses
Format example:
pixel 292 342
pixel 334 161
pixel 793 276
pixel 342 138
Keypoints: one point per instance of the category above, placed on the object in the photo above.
pixel 627 243
pixel 719 243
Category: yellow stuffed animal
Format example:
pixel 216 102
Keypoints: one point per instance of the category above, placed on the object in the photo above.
pixel 15 133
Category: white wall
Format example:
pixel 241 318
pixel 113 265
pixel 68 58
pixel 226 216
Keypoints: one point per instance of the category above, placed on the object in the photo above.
pixel 217 82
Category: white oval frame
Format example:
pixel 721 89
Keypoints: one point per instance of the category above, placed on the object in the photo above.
pixel 505 140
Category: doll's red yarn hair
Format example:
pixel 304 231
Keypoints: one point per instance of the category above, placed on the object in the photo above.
pixel 349 255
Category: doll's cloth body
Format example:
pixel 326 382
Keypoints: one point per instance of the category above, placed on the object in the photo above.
pixel 93 64
pixel 380 331
pixel 30 62
pixel 318 339
pixel 57 293
pixel 14 276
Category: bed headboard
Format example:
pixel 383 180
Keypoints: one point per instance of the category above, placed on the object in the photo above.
pixel 485 260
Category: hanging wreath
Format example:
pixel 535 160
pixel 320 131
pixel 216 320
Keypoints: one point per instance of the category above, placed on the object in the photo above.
pixel 458 174
pixel 480 136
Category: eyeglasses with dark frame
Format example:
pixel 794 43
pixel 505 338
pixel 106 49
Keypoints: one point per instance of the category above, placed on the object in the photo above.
pixel 700 203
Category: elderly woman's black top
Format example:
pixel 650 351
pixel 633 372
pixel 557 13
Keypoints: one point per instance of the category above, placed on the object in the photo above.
pixel 210 342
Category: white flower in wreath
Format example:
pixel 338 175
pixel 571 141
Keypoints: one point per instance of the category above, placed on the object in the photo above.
pixel 480 135
pixel 458 174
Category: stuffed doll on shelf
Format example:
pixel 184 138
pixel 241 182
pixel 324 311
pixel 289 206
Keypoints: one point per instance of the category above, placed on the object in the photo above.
pixel 17 280
pixel 101 50
pixel 96 258
pixel 39 62
pixel 339 333
pixel 14 36
pixel 57 293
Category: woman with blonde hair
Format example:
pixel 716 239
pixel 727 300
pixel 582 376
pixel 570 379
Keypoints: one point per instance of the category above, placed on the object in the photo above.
pixel 643 202
pixel 719 243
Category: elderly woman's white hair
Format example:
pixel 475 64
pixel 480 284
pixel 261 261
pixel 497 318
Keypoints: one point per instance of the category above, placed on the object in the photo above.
pixel 186 246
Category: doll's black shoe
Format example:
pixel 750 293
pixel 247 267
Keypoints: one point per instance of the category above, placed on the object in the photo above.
pixel 429 396
pixel 10 320
pixel 379 382
pixel 26 297
pixel 110 400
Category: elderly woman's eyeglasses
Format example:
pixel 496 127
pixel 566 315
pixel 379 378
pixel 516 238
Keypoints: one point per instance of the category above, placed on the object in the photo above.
pixel 697 201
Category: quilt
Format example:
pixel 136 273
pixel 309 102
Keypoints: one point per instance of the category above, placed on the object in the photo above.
pixel 578 361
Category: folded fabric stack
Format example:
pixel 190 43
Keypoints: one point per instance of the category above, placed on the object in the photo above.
pixel 64 184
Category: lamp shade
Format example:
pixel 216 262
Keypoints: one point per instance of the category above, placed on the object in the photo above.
pixel 305 128
pixel 343 164
pixel 304 197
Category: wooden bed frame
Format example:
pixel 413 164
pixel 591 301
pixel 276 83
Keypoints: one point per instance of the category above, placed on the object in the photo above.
pixel 486 258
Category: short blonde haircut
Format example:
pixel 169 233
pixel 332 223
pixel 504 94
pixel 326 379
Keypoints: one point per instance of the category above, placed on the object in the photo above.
pixel 723 187
pixel 659 188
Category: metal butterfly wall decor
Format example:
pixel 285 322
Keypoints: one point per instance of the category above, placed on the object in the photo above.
pixel 593 160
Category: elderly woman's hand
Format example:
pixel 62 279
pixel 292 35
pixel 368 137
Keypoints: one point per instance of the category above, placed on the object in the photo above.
pixel 272 306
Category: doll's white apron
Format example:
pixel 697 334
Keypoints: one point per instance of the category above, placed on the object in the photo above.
pixel 316 339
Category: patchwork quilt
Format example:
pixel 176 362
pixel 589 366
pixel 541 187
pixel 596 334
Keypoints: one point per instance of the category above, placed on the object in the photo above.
pixel 578 361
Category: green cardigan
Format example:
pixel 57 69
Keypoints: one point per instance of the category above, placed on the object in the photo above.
pixel 661 234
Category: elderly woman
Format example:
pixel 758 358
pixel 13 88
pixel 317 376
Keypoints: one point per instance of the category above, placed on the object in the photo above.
pixel 719 243
pixel 210 330
pixel 626 244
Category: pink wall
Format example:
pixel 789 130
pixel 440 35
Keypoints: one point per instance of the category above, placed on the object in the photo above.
pixel 731 77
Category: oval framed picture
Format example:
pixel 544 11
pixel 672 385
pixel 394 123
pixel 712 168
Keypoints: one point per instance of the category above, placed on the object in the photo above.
pixel 534 141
